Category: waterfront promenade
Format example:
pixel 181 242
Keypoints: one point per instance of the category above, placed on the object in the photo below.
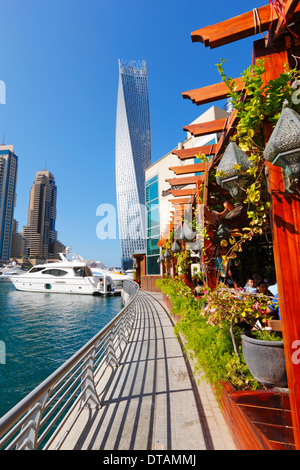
pixel 151 401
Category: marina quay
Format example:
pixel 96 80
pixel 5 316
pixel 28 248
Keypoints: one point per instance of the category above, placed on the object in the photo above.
pixel 176 330
pixel 137 392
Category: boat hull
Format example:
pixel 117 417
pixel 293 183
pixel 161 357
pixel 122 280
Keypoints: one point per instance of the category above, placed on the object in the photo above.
pixel 72 286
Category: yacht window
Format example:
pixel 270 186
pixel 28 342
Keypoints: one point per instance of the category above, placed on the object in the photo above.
pixel 88 271
pixel 55 272
pixel 79 272
pixel 35 270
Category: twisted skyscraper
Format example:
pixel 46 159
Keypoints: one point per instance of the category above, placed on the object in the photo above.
pixel 133 156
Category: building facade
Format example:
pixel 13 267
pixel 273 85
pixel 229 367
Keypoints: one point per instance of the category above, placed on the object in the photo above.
pixel 158 197
pixel 40 231
pixel 132 157
pixel 8 181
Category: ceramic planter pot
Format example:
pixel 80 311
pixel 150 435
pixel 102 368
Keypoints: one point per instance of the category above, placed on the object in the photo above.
pixel 265 359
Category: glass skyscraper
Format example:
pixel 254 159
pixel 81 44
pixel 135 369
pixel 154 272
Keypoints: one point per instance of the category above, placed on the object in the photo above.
pixel 8 181
pixel 133 156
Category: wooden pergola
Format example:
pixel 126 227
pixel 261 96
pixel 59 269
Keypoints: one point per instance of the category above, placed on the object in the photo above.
pixel 279 46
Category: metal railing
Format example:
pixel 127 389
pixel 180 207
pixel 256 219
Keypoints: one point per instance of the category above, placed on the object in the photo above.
pixel 37 420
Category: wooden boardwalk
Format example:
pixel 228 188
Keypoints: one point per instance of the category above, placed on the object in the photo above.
pixel 151 402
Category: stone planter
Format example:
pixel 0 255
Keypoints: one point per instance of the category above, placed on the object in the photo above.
pixel 265 359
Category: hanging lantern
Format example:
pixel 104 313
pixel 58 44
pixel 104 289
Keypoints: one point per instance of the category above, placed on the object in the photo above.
pixel 166 254
pixel 196 247
pixel 222 233
pixel 161 258
pixel 234 179
pixel 283 148
pixel 187 234
pixel 175 247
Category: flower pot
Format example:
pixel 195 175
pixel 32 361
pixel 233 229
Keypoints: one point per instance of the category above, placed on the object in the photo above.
pixel 265 359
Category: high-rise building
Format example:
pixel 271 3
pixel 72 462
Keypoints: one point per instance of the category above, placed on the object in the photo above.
pixel 8 181
pixel 133 156
pixel 40 230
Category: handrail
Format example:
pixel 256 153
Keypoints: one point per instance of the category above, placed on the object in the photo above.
pixel 38 418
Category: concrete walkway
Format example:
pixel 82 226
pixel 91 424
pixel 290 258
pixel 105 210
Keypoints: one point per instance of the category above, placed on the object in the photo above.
pixel 151 402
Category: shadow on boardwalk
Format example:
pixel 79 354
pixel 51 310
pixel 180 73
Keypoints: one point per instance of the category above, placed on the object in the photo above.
pixel 150 401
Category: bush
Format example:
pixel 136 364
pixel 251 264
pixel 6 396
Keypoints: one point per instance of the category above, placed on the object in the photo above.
pixel 210 346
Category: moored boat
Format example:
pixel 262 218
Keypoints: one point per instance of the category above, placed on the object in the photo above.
pixel 10 270
pixel 64 276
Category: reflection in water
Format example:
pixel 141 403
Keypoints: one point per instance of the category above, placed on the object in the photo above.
pixel 41 331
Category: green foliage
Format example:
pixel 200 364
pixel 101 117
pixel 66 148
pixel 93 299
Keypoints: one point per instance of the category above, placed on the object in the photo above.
pixel 179 294
pixel 183 260
pixel 266 335
pixel 262 101
pixel 210 346
pixel 256 104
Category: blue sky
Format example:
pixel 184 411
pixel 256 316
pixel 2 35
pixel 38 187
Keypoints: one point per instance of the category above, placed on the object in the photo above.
pixel 59 62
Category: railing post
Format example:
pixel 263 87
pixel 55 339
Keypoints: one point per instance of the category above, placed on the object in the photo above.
pixel 121 332
pixel 30 437
pixel 90 396
pixel 111 358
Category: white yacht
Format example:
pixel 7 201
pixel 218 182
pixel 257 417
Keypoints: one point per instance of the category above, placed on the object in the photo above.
pixel 117 277
pixel 10 270
pixel 64 276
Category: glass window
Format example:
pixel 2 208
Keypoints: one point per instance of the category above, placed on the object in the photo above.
pixel 55 272
pixel 153 218
pixel 152 205
pixel 152 248
pixel 152 192
pixel 153 267
pixel 152 180
pixel 153 231
pixel 35 270
pixel 79 272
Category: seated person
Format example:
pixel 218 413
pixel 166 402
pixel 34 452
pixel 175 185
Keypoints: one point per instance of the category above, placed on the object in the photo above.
pixel 273 309
pixel 249 287
pixel 262 288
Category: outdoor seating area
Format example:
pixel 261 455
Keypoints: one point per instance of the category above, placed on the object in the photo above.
pixel 241 219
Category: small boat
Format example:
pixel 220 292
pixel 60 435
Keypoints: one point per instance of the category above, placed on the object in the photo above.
pixel 8 270
pixel 64 276
pixel 117 277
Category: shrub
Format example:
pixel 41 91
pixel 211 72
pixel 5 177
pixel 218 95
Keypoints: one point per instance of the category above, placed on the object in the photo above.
pixel 210 346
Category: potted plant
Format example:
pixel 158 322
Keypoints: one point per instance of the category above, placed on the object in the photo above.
pixel 262 349
pixel 263 352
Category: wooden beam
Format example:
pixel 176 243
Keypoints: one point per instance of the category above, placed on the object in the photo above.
pixel 211 93
pixel 238 27
pixel 184 180
pixel 183 192
pixel 228 132
pixel 185 169
pixel 184 154
pixel 205 188
pixel 205 128
pixel 181 201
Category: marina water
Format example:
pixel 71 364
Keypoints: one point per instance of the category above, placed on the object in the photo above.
pixel 41 331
